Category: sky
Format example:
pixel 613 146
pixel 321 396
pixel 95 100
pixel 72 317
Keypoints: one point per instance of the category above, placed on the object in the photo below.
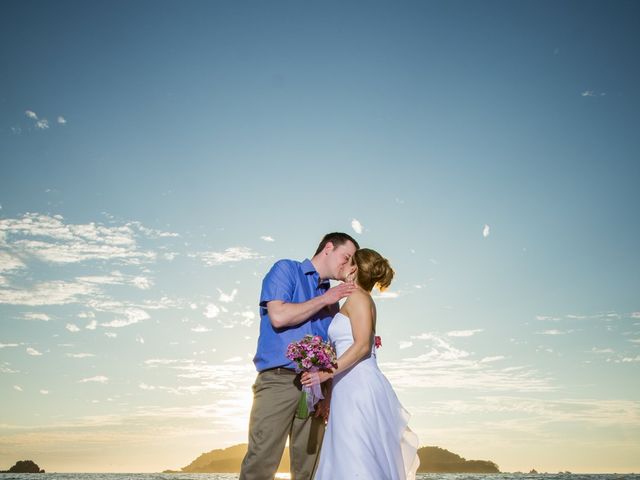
pixel 157 157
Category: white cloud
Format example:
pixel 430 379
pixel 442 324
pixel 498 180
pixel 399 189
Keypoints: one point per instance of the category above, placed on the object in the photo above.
pixel 227 298
pixel 42 124
pixel 18 388
pixel 96 379
pixel 445 366
pixel 200 329
pixel 248 316
pixel 111 334
pixel 33 352
pixel 80 355
pixel 8 345
pixel 142 283
pixel 547 317
pixel 211 311
pixel 92 325
pixel 140 340
pixel 44 392
pixel 492 359
pixel 231 254
pixel 30 114
pixel 634 340
pixel 635 314
pixel 9 262
pixel 554 332
pixel 47 293
pixel 486 230
pixel 464 333
pixel 404 344
pixel 5 367
pixel 51 240
pixel 233 360
pixel 72 327
pixel 61 120
pixel 132 316
pixel 37 316
pixel 601 350
pixel 356 225
pixel 588 93
pixel 631 359
pixel 267 238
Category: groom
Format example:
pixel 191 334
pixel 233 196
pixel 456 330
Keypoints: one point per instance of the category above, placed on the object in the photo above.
pixel 295 301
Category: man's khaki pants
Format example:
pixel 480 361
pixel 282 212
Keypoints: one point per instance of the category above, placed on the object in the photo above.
pixel 275 399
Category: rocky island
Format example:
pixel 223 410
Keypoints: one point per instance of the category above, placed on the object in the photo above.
pixel 432 460
pixel 24 466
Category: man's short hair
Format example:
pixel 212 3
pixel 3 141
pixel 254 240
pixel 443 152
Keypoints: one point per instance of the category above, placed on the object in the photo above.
pixel 337 239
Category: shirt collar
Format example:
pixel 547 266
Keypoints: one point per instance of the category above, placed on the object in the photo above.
pixel 307 267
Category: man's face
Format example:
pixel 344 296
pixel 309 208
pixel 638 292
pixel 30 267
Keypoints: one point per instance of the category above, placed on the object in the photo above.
pixel 340 263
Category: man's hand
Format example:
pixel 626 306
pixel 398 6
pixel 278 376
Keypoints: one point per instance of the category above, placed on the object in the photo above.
pixel 322 409
pixel 338 292
pixel 310 379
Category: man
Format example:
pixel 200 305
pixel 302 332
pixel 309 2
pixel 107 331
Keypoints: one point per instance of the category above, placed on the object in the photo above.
pixel 295 301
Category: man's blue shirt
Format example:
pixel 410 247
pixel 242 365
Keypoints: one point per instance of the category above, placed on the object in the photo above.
pixel 291 282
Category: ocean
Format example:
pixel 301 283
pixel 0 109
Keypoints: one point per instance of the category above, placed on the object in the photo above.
pixel 227 476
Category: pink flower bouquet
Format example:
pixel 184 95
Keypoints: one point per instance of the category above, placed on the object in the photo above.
pixel 311 354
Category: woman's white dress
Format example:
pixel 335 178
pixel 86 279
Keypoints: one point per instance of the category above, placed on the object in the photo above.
pixel 367 436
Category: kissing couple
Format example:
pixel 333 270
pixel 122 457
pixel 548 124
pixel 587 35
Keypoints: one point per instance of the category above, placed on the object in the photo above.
pixel 367 434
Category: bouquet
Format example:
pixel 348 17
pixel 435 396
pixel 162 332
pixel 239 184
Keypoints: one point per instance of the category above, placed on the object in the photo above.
pixel 311 354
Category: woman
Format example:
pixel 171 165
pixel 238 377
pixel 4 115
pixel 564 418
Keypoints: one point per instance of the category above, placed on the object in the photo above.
pixel 367 435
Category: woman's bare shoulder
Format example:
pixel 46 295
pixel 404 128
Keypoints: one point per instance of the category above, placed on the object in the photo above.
pixel 357 301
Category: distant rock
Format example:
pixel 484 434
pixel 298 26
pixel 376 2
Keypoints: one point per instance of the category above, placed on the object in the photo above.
pixel 439 460
pixel 533 470
pixel 432 460
pixel 24 466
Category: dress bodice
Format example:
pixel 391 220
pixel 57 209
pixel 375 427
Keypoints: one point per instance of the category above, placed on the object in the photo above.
pixel 341 335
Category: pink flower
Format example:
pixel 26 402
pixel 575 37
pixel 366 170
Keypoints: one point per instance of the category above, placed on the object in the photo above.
pixel 377 341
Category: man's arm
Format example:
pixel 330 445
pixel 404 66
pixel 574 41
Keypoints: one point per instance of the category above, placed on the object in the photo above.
pixel 285 314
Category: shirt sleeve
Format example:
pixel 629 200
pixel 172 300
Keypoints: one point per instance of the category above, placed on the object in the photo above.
pixel 278 284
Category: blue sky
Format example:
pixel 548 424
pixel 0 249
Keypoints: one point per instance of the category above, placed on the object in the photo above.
pixel 157 157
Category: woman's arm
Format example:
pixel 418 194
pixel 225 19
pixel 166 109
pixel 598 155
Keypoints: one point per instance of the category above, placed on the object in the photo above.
pixel 361 317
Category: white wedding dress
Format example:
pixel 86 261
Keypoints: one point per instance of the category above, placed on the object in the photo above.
pixel 367 436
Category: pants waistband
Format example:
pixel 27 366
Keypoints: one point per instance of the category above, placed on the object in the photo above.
pixel 281 370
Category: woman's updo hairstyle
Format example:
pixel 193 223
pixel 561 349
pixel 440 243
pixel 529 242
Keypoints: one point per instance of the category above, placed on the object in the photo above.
pixel 373 269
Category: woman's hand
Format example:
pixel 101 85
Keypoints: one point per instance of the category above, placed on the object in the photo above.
pixel 309 379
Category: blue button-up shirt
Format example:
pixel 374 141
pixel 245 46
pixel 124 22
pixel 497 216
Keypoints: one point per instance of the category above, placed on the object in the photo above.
pixel 291 282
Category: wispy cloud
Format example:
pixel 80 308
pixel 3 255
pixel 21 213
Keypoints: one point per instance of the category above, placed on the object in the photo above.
pixel 96 379
pixel 486 231
pixel 72 327
pixel 80 355
pixel 61 120
pixel 356 226
pixel 464 333
pixel 447 366
pixel 267 238
pixel 50 239
pixel 36 316
pixel 211 311
pixel 47 293
pixel 230 255
pixel 130 317
pixel 33 352
pixel 42 124
pixel 554 332
pixel 227 298
pixel 30 114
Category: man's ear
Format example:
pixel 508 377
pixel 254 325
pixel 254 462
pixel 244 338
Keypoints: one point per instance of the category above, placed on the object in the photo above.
pixel 328 248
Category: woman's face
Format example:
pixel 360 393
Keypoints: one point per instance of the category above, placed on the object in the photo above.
pixel 348 271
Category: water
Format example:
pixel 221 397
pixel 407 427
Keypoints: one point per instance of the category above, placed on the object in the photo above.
pixel 233 476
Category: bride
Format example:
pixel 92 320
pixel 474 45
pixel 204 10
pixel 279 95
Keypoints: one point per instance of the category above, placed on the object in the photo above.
pixel 367 436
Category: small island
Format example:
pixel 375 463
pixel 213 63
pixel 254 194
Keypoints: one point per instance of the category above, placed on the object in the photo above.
pixel 432 460
pixel 24 466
